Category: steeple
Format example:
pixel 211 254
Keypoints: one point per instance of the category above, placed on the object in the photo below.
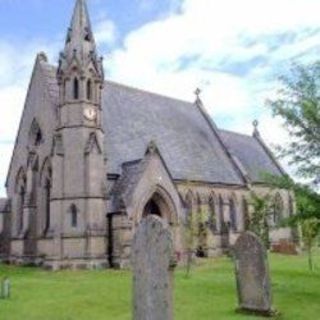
pixel 80 37
pixel 79 57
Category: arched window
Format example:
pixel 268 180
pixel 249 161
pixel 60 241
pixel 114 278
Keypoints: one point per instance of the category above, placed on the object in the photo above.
pixel 233 215
pixel 46 185
pixel 47 204
pixel 35 134
pixel 246 216
pixel 75 89
pixel 20 189
pixel 277 212
pixel 74 215
pixel 89 90
pixel 21 203
pixel 212 215
pixel 221 213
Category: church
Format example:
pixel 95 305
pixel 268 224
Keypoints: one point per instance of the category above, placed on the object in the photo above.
pixel 93 157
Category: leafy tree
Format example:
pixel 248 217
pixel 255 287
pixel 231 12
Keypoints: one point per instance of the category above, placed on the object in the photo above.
pixel 307 215
pixel 310 231
pixel 258 220
pixel 298 104
pixel 195 230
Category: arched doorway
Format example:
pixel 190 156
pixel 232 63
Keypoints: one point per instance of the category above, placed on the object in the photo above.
pixel 152 208
pixel 159 204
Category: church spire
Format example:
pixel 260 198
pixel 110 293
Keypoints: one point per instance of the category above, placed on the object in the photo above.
pixel 79 62
pixel 80 40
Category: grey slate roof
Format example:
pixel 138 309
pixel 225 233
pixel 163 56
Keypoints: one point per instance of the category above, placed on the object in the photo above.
pixel 131 172
pixel 251 154
pixel 186 141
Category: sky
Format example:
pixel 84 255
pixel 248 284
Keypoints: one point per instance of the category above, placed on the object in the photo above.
pixel 233 50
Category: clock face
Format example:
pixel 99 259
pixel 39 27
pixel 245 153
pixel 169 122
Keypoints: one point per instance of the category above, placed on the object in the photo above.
pixel 90 114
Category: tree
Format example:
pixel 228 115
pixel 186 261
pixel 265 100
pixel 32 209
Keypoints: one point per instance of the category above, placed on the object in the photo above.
pixel 194 230
pixel 258 220
pixel 310 231
pixel 298 104
pixel 307 215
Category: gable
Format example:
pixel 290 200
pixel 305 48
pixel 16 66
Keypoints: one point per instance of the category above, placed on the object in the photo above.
pixel 140 181
pixel 39 115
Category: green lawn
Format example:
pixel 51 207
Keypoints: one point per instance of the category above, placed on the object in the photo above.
pixel 209 294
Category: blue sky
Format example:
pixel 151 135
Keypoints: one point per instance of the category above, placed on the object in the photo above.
pixel 233 50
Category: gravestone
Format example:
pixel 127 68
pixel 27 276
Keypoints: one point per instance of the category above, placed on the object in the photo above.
pixel 5 288
pixel 153 265
pixel 252 275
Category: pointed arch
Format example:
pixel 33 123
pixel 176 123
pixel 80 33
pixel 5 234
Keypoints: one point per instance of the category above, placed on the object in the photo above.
pixel 93 144
pixel 163 200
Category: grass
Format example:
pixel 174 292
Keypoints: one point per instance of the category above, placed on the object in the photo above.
pixel 208 294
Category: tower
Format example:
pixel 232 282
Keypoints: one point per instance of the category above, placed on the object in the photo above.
pixel 78 204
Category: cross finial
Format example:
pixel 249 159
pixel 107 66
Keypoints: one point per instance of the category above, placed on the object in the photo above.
pixel 197 93
pixel 255 124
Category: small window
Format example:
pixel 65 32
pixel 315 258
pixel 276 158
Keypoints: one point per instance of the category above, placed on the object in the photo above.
pixel 212 215
pixel 74 216
pixel 47 199
pixel 22 194
pixel 76 89
pixel 89 90
pixel 87 35
pixel 233 215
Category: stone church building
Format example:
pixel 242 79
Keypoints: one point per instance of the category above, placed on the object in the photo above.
pixel 92 157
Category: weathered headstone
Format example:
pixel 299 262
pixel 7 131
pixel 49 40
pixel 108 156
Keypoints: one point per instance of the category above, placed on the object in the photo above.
pixel 153 265
pixel 5 288
pixel 252 275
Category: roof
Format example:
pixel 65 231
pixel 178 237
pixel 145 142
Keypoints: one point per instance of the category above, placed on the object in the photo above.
pixel 185 139
pixel 187 142
pixel 251 154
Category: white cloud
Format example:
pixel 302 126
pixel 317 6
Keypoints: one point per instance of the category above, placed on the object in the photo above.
pixel 105 32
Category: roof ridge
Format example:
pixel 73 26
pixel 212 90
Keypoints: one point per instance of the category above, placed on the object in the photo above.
pixel 112 82
pixel 237 133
